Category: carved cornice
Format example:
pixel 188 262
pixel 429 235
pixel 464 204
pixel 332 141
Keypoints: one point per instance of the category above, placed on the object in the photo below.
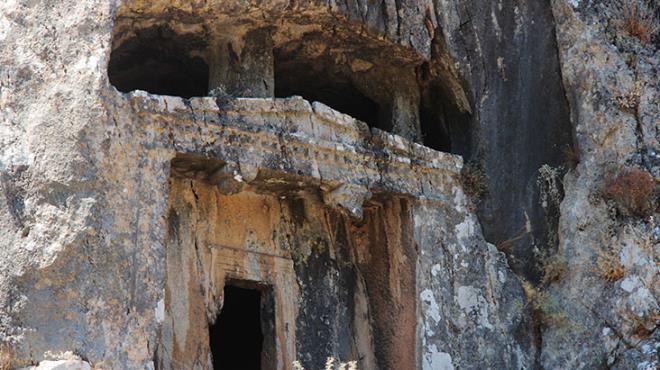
pixel 274 143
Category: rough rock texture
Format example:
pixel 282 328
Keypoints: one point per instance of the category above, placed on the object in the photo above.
pixel 609 323
pixel 90 179
pixel 463 320
pixel 76 364
pixel 506 53
pixel 123 215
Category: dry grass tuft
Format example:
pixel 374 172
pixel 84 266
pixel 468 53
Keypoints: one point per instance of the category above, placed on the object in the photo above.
pixel 632 190
pixel 330 365
pixel 530 291
pixel 608 263
pixel 474 181
pixel 571 156
pixel 629 102
pixel 609 267
pixel 506 245
pixel 554 268
pixel 638 20
pixel 5 358
pixel 544 308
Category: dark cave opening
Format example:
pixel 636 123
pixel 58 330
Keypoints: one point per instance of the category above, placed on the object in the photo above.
pixel 237 337
pixel 435 132
pixel 324 81
pixel 444 126
pixel 160 61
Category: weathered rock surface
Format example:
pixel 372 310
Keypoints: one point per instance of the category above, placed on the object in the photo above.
pixel 61 365
pixel 610 319
pixel 123 215
pixel 506 53
pixel 90 179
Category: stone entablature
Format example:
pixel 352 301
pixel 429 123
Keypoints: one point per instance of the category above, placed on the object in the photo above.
pixel 291 143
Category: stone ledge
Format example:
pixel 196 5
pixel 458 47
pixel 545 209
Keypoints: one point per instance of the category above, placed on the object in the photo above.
pixel 296 143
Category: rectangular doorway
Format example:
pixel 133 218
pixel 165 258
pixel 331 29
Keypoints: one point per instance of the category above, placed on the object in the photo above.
pixel 242 336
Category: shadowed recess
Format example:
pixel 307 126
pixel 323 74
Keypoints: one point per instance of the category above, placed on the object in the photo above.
pixel 444 127
pixel 159 61
pixel 322 80
pixel 236 338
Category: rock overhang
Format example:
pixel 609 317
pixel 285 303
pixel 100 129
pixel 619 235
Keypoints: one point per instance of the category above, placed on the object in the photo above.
pixel 331 53
pixel 232 19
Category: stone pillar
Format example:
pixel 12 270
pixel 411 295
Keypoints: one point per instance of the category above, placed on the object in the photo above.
pixel 404 114
pixel 399 101
pixel 244 67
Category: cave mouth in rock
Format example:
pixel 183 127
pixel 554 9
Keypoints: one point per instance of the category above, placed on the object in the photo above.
pixel 324 81
pixel 160 61
pixel 375 81
pixel 444 126
pixel 237 337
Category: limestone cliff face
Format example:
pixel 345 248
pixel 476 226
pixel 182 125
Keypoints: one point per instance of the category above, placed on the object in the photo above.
pixel 612 88
pixel 124 214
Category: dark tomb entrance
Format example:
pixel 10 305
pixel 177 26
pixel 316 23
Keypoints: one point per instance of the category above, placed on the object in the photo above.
pixel 160 61
pixel 321 79
pixel 241 336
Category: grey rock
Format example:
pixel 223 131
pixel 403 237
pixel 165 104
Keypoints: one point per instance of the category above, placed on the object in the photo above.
pixel 123 213
pixel 61 365
pixel 608 313
pixel 643 356
pixel 349 198
pixel 228 179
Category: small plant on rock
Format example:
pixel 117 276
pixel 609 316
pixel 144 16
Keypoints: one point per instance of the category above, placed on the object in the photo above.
pixel 638 19
pixel 608 263
pixel 608 266
pixel 629 102
pixel 5 357
pixel 571 156
pixel 554 268
pixel 545 308
pixel 632 190
pixel 474 181
pixel 330 365
pixel 550 187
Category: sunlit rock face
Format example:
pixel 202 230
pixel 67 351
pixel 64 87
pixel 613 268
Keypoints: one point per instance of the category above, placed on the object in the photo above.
pixel 218 184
